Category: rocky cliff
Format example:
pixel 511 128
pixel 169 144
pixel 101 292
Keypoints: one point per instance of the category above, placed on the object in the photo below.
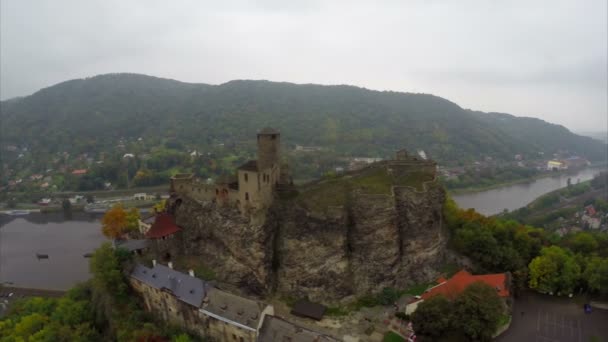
pixel 366 237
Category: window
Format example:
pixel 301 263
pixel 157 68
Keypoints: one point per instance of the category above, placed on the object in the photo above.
pixel 246 177
pixel 217 192
pixel 246 196
pixel 233 336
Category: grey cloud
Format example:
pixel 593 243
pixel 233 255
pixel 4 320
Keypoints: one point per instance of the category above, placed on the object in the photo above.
pixel 518 56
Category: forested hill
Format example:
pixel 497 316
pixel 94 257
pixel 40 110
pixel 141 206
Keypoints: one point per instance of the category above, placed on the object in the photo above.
pixel 92 114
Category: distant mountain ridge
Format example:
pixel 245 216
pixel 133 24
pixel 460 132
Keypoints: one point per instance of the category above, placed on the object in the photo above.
pixel 92 113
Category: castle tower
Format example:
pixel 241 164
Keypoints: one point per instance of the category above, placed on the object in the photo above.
pixel 269 141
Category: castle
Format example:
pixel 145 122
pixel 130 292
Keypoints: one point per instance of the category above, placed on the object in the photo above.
pixel 251 189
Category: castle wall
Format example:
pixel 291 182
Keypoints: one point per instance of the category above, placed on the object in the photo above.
pixel 166 306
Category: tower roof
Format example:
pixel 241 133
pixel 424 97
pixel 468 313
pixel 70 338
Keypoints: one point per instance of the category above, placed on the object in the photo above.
pixel 268 131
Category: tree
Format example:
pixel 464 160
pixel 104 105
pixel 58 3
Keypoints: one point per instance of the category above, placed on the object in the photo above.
pixel 595 275
pixel 555 270
pixel 106 266
pixel 433 317
pixel 116 221
pixel 477 311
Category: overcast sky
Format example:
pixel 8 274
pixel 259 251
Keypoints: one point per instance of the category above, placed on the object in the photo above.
pixel 542 58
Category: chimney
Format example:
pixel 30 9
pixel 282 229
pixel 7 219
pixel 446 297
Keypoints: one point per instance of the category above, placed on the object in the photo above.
pixel 170 264
pixel 153 262
pixel 191 272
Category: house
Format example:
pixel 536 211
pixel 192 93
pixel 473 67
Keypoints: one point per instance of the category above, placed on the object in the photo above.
pixel 145 223
pixel 452 287
pixel 590 210
pixel 79 172
pixel 199 307
pixel 196 305
pixel 36 177
pixel 163 227
pixel 277 329
pixel 142 196
pixel 554 165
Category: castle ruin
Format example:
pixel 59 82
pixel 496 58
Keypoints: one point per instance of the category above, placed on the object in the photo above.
pixel 251 189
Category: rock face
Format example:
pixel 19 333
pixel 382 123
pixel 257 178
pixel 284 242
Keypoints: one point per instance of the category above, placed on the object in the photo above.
pixel 370 242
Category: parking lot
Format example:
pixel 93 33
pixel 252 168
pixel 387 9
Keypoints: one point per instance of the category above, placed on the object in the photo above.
pixel 543 318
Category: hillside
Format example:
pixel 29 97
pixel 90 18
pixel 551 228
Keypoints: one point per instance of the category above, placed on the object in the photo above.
pixel 89 115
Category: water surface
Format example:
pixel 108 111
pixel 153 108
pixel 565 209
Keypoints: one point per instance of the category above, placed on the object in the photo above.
pixel 64 240
pixel 513 197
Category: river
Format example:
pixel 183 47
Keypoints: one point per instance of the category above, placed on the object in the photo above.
pixel 513 197
pixel 64 240
pixel 67 240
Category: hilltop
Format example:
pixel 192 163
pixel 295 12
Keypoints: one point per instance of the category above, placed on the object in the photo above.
pixel 92 114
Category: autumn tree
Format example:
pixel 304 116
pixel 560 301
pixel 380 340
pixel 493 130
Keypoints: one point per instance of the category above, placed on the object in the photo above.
pixel 116 221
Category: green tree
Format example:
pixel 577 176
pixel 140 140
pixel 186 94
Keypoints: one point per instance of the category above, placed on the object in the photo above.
pixel 477 311
pixel 595 275
pixel 555 270
pixel 106 266
pixel 433 317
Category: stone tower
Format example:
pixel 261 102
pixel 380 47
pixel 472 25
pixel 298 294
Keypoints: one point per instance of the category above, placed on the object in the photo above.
pixel 269 141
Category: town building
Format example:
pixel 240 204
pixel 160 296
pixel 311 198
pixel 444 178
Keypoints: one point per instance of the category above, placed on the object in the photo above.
pixel 459 282
pixel 554 165
pixel 203 309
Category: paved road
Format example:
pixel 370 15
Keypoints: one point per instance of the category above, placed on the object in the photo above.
pixel 550 319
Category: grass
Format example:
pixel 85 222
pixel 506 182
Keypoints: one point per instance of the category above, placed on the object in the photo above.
pixel 380 299
pixel 504 319
pixel 201 270
pixel 417 290
pixel 392 337
pixel 334 192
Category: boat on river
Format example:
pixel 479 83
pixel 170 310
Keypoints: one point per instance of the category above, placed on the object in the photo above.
pixel 96 208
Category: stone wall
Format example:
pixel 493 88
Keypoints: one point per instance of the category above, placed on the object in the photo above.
pixel 371 242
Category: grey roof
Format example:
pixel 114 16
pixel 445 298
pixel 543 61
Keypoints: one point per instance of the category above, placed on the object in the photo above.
pixel 232 307
pixel 277 329
pixel 186 288
pixel 308 309
pixel 268 130
pixel 131 245
pixel 251 165
pixel 149 219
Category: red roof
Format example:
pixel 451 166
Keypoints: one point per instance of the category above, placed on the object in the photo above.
pixel 79 172
pixel 590 210
pixel 163 225
pixel 463 279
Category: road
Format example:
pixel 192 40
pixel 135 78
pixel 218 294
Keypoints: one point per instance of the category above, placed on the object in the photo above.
pixel 550 319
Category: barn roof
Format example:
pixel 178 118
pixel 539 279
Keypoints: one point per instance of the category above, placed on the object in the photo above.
pixel 163 225
pixel 304 308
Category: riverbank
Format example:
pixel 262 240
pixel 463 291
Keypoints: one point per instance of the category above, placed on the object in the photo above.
pixel 476 189
pixel 515 196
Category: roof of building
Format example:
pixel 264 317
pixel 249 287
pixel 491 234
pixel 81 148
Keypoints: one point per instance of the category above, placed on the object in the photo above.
pixel 461 280
pixel 184 287
pixel 277 329
pixel 79 171
pixel 149 219
pixel 268 130
pixel 226 179
pixel 131 245
pixel 251 165
pixel 304 308
pixel 163 225
pixel 233 308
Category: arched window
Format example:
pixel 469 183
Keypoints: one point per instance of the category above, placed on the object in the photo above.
pixel 246 196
